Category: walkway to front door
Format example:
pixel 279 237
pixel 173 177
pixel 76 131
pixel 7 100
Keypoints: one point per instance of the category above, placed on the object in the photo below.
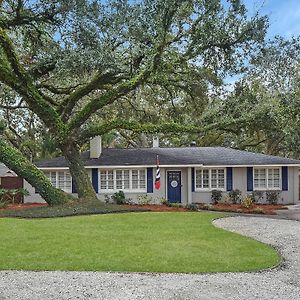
pixel 174 186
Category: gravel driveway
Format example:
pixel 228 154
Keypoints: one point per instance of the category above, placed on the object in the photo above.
pixel 280 283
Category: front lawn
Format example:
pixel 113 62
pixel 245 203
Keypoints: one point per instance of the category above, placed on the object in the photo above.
pixel 140 242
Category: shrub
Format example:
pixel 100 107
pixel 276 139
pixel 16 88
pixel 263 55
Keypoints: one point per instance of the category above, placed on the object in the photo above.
pixel 177 205
pixel 225 200
pixel 207 206
pixel 163 201
pixel 235 196
pixel 216 196
pixel 247 202
pixel 272 196
pixel 3 204
pixel 257 196
pixel 119 197
pixel 106 199
pixel 258 210
pixel 192 206
pixel 144 199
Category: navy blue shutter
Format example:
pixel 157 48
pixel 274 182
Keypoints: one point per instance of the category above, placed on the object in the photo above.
pixel 149 180
pixel 193 179
pixel 74 188
pixel 249 179
pixel 95 179
pixel 285 180
pixel 229 179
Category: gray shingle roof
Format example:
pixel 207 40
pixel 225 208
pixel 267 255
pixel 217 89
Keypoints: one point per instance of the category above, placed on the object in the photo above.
pixel 174 156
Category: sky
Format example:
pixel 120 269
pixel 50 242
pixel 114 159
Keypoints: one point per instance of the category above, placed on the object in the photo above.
pixel 284 15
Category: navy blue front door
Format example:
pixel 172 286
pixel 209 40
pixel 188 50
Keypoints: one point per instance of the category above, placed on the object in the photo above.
pixel 174 186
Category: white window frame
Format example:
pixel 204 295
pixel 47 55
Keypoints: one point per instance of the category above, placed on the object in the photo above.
pixel 210 188
pixel 130 189
pixel 267 188
pixel 56 185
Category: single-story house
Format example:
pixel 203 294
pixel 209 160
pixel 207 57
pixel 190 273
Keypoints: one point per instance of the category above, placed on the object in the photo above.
pixel 188 174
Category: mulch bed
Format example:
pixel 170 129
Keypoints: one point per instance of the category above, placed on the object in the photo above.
pixel 266 209
pixel 23 206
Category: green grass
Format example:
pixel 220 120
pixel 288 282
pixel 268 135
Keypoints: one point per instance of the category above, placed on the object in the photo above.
pixel 140 242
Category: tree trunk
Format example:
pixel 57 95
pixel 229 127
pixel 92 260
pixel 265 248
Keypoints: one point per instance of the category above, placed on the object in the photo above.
pixel 15 161
pixel 78 172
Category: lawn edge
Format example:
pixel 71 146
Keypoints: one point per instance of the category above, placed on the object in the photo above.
pixel 280 265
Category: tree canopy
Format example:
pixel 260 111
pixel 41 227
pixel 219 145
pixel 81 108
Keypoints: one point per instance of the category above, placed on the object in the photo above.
pixel 83 68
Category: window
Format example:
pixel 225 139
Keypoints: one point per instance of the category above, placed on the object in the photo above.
pixel 267 178
pixel 107 180
pixel 123 180
pixel 138 178
pixel 209 179
pixel 60 179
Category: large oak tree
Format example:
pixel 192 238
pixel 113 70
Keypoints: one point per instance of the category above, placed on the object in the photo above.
pixel 68 61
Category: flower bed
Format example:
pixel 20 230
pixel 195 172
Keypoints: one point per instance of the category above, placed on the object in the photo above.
pixel 267 209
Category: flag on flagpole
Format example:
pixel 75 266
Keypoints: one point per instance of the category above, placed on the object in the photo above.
pixel 157 178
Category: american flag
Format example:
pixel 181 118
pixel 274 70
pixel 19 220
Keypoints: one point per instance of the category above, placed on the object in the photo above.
pixel 157 178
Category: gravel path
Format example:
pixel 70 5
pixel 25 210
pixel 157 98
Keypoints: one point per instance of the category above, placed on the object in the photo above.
pixel 280 283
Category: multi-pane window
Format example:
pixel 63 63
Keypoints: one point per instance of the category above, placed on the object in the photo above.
pixel 267 178
pixel 60 179
pixel 107 180
pixel 123 179
pixel 138 178
pixel 210 179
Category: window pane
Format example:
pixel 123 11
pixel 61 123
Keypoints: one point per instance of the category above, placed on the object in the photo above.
pixel 273 178
pixel 110 180
pixel 119 184
pixel 53 178
pixel 199 179
pixel 103 180
pixel 260 178
pixel 135 179
pixel 126 179
pixel 205 178
pixel 142 179
pixel 68 182
pixel 61 180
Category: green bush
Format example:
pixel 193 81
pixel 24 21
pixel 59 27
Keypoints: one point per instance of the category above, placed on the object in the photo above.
pixel 272 196
pixel 107 199
pixel 3 204
pixel 216 196
pixel 192 206
pixel 258 210
pixel 163 201
pixel 247 202
pixel 226 200
pixel 144 199
pixel 119 197
pixel 235 196
pixel 257 196
pixel 177 205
